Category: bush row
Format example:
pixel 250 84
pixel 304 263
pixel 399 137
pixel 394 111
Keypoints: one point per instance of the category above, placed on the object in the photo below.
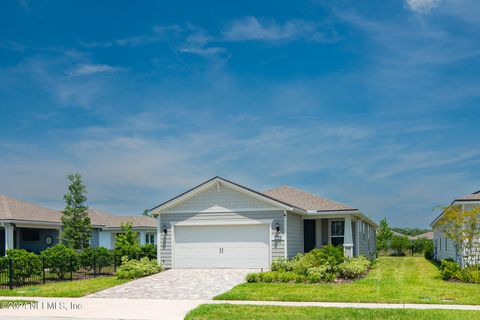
pixel 452 270
pixel 133 269
pixel 61 260
pixel 319 265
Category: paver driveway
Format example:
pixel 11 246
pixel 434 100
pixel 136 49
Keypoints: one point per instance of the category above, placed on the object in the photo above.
pixel 188 284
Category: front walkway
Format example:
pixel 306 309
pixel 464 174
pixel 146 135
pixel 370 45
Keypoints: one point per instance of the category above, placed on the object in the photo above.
pixel 180 284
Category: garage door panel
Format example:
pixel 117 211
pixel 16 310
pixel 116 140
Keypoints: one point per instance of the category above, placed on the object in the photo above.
pixel 241 246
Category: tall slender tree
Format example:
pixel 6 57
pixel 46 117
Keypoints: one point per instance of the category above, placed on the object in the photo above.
pixel 384 236
pixel 76 224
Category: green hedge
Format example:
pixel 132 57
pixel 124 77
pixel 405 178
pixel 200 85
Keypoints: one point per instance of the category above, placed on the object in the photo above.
pixel 319 265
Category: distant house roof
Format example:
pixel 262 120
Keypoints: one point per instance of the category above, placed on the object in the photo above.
pixel 398 234
pixel 114 221
pixel 13 209
pixel 305 200
pixel 470 197
pixel 426 235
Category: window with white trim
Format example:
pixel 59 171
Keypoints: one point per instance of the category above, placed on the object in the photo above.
pixel 337 232
pixel 150 238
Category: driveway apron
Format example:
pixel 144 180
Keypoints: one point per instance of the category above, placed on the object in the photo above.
pixel 188 284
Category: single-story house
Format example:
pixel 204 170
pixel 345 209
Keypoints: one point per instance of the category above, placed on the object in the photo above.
pixel 443 248
pixel 222 224
pixel 24 225
pixel 427 235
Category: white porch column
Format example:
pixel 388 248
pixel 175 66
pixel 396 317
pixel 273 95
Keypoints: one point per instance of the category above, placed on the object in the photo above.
pixel 142 238
pixel 348 238
pixel 159 236
pixel 8 237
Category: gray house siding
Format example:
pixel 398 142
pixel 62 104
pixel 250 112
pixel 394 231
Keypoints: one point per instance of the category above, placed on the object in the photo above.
pixel 444 247
pixel 294 234
pixel 367 239
pixel 168 219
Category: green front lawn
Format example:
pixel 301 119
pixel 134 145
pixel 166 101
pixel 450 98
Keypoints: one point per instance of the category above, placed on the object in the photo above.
pixel 393 280
pixel 77 288
pixel 250 312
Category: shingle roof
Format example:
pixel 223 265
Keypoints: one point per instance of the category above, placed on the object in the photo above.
pixel 470 197
pixel 426 235
pixel 20 210
pixel 305 200
pixel 13 209
pixel 114 221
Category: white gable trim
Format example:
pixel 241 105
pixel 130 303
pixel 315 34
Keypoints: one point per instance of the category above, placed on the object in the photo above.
pixel 221 210
pixel 216 182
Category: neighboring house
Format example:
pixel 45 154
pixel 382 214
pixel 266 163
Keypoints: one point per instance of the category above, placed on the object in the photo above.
pixel 397 234
pixel 221 224
pixel 443 247
pixel 34 228
pixel 427 235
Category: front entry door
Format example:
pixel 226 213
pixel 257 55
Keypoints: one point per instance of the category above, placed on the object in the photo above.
pixel 309 235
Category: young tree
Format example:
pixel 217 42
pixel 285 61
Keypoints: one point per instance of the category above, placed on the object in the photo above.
pixel 384 236
pixel 462 227
pixel 127 242
pixel 76 224
pixel 400 244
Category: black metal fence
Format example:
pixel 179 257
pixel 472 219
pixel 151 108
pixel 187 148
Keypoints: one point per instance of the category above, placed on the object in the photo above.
pixel 19 272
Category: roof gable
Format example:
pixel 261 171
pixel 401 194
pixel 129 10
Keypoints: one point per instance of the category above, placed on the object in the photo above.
pixel 220 195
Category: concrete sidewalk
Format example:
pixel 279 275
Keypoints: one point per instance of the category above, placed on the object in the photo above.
pixel 95 308
pixel 149 309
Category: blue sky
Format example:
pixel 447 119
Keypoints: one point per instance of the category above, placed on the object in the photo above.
pixel 370 103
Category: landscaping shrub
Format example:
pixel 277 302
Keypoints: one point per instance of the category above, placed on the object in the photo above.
pixel 280 264
pixel 319 265
pixel 321 274
pixel 25 264
pixel 328 255
pixel 149 251
pixel 95 258
pixel 354 267
pixel 60 260
pixel 133 269
pixel 275 276
pixel 448 268
pixel 428 250
pixel 469 274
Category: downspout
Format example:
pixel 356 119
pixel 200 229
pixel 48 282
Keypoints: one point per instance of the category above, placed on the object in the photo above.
pixel 159 233
pixel 285 251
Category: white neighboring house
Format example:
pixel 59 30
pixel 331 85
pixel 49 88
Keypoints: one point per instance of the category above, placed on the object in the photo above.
pixel 221 224
pixel 24 225
pixel 443 247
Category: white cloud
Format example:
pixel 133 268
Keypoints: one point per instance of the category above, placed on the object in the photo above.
pixel 90 69
pixel 250 28
pixel 197 43
pixel 421 6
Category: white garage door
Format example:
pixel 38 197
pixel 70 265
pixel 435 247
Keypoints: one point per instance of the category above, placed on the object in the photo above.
pixel 221 246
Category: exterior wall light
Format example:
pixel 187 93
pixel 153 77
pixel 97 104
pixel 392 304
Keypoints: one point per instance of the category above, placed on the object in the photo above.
pixel 164 229
pixel 277 225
